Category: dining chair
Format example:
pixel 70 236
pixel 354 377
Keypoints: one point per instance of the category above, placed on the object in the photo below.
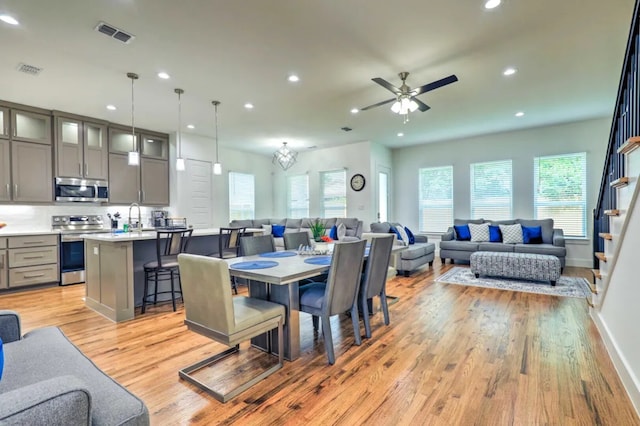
pixel 374 280
pixel 169 243
pixel 293 240
pixel 229 247
pixel 250 246
pixel 212 311
pixel 338 295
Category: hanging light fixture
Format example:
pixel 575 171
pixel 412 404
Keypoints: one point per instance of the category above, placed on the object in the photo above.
pixel 179 159
pixel 134 155
pixel 217 167
pixel 285 156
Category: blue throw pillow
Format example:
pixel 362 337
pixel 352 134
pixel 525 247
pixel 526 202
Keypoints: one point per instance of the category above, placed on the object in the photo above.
pixel 462 232
pixel 393 230
pixel 412 239
pixel 532 234
pixel 277 230
pixel 333 233
pixel 1 359
pixel 495 236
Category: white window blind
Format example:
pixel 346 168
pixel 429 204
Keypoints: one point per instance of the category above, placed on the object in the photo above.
pixel 491 190
pixel 334 193
pixel 298 196
pixel 241 196
pixel 560 192
pixel 436 199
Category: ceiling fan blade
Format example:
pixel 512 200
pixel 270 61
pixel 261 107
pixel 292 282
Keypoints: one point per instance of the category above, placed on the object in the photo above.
pixel 421 105
pixel 435 85
pixel 378 104
pixel 390 87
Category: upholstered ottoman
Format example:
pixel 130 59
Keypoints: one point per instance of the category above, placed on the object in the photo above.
pixel 527 266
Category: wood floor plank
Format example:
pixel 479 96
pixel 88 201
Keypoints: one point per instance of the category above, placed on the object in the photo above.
pixel 453 355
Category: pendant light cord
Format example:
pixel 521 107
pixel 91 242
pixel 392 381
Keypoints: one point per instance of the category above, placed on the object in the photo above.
pixel 216 109
pixel 179 125
pixel 133 126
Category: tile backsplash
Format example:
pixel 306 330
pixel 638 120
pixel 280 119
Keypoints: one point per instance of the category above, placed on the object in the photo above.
pixel 38 218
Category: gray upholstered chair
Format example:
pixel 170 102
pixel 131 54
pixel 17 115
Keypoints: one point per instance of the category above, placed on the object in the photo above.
pixel 374 281
pixel 338 295
pixel 293 240
pixel 212 311
pixel 256 245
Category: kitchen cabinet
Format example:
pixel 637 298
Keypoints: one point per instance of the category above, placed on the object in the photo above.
pixel 5 171
pixel 4 123
pixel 154 181
pixel 154 146
pixel 121 141
pixel 81 148
pixel 32 259
pixel 124 180
pixel 4 276
pixel 32 180
pixel 30 126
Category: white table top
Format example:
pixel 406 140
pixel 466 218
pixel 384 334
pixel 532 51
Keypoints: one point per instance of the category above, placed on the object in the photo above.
pixel 289 269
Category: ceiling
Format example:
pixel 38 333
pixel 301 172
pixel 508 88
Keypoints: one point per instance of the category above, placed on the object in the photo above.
pixel 568 55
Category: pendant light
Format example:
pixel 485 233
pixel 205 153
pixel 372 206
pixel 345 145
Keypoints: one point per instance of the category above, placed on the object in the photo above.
pixel 285 156
pixel 134 155
pixel 179 159
pixel 217 167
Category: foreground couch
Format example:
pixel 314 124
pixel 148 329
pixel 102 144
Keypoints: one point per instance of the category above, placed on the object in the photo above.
pixel 47 380
pixel 451 247
pixel 420 253
pixel 353 226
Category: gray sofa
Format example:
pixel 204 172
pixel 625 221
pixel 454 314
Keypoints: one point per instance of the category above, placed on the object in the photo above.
pixel 552 241
pixel 48 381
pixel 413 256
pixel 353 226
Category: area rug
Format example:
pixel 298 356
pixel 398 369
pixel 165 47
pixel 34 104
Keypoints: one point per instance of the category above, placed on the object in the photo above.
pixel 565 286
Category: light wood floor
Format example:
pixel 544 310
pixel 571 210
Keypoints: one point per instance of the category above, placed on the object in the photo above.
pixel 453 355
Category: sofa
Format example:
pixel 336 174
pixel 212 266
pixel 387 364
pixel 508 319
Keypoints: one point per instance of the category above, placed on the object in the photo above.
pixel 47 380
pixel 353 226
pixel 551 241
pixel 414 256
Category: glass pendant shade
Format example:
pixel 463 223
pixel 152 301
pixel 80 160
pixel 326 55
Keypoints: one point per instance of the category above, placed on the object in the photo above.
pixel 404 105
pixel 133 159
pixel 180 164
pixel 179 160
pixel 217 168
pixel 285 157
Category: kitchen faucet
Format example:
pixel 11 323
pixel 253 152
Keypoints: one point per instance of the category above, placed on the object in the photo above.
pixel 139 225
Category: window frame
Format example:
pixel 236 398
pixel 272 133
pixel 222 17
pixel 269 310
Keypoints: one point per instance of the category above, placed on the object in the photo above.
pixel 437 203
pixel 475 206
pixel 290 209
pixel 244 213
pixel 323 198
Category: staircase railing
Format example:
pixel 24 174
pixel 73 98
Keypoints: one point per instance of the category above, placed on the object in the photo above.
pixel 625 124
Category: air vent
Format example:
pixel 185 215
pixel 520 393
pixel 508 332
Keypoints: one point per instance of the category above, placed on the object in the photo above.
pixel 346 129
pixel 113 32
pixel 29 69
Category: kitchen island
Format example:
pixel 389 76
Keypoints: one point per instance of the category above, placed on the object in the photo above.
pixel 114 265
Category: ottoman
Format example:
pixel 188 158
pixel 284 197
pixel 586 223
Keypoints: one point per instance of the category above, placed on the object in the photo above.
pixel 527 266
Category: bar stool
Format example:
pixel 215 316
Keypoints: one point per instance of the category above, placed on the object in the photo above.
pixel 169 243
pixel 228 247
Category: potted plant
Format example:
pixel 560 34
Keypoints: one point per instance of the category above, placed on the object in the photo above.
pixel 317 229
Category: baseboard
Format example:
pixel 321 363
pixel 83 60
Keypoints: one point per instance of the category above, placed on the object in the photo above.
pixel 582 263
pixel 626 376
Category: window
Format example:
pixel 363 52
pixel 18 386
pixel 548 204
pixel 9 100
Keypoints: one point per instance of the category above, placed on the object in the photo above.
pixel 383 196
pixel 491 189
pixel 334 193
pixel 241 196
pixel 298 196
pixel 436 199
pixel 560 192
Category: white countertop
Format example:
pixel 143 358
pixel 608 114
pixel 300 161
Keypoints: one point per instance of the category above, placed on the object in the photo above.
pixel 9 232
pixel 151 235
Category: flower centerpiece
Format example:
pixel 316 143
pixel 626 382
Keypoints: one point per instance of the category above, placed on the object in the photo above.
pixel 317 229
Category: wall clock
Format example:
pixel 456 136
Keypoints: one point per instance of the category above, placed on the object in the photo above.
pixel 357 182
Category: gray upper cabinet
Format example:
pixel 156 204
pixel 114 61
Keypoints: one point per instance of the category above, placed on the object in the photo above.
pixel 32 180
pixel 155 182
pixel 81 148
pixel 4 123
pixel 124 180
pixel 155 146
pixel 5 171
pixel 30 126
pixel 121 141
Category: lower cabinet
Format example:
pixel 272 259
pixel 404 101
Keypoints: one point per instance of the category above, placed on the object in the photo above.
pixel 3 270
pixel 32 259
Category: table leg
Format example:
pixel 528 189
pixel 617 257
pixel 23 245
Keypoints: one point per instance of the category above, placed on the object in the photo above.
pixel 288 295
pixel 260 290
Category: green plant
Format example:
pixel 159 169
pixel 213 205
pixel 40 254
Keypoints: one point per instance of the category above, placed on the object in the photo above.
pixel 317 229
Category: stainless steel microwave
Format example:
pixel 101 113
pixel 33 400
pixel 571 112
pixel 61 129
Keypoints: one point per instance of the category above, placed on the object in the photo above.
pixel 82 190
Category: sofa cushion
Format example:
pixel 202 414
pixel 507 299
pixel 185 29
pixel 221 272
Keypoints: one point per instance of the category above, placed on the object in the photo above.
pixel 503 222
pixel 242 223
pixel 267 229
pixel 1 359
pixel 333 232
pixel 293 223
pixel 328 222
pixel 532 235
pixel 412 238
pixel 414 252
pixel 511 234
pixel 496 247
pixel 463 233
pixel 545 224
pixel 257 223
pixel 394 230
pixel 541 249
pixel 466 221
pixel 495 236
pixel 380 227
pixel 277 230
pixel 351 223
pixel 459 245
pixel 479 232
pixel 341 231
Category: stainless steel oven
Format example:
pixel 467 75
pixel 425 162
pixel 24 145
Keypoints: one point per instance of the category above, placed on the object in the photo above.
pixel 82 190
pixel 73 229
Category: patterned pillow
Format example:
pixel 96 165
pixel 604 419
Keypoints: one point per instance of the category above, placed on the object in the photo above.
pixel 479 233
pixel 403 235
pixel 511 234
pixel 341 231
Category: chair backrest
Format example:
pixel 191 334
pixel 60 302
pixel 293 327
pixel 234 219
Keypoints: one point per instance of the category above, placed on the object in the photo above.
pixel 229 239
pixel 375 275
pixel 293 240
pixel 256 245
pixel 343 282
pixel 172 242
pixel 206 292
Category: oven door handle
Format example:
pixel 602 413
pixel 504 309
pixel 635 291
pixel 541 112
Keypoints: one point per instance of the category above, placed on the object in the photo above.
pixel 70 239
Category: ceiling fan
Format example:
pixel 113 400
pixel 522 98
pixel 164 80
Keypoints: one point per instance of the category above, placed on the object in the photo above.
pixel 405 100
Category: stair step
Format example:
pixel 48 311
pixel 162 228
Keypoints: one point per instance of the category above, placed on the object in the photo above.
pixel 620 182
pixel 606 236
pixel 589 302
pixel 596 273
pixel 593 288
pixel 613 212
pixel 601 256
pixel 631 144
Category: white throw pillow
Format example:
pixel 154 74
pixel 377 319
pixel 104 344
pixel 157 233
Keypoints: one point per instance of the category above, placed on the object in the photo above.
pixel 403 235
pixel 341 231
pixel 479 232
pixel 511 234
pixel 266 229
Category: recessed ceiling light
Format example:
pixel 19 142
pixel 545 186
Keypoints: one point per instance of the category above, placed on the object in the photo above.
pixel 510 71
pixel 9 19
pixel 163 75
pixel 355 111
pixel 400 134
pixel 519 114
pixel 294 78
pixel 111 107
pixel 490 4
pixel 190 126
pixel 248 105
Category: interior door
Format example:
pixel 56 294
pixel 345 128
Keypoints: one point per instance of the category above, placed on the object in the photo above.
pixel 200 200
pixel 383 194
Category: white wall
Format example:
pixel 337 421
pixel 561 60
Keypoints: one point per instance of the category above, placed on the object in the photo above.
pixel 521 147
